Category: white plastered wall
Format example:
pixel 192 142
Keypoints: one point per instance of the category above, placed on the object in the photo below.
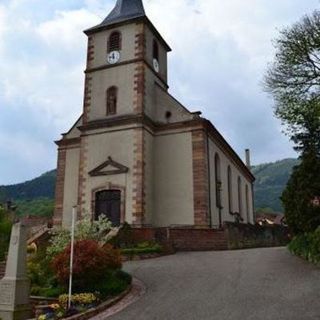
pixel 118 145
pixel 225 212
pixel 163 63
pixel 173 180
pixel 100 42
pixel 123 78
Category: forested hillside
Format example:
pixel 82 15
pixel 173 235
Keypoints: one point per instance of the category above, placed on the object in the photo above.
pixel 271 179
pixel 36 196
pixel 41 187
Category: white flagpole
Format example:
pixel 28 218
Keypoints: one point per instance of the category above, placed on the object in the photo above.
pixel 71 254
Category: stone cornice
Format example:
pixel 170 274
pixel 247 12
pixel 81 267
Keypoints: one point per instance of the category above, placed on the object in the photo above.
pixel 195 124
pixel 68 142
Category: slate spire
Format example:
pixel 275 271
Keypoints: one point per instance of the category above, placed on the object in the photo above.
pixel 125 10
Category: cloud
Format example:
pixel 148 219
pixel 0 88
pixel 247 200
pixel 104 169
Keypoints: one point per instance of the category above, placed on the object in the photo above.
pixel 64 29
pixel 220 52
pixel 3 28
pixel 223 48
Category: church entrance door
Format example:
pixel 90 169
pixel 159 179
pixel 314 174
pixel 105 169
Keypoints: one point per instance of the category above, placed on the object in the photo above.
pixel 108 202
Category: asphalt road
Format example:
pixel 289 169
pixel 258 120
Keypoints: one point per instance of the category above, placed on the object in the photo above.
pixel 231 285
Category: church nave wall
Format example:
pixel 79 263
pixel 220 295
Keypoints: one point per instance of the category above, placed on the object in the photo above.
pixel 173 180
pixel 225 162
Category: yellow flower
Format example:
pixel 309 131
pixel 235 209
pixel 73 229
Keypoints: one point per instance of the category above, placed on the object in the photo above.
pixel 81 298
pixel 42 317
pixel 55 306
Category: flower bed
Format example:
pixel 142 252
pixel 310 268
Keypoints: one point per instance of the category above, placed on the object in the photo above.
pixel 97 274
pixel 85 312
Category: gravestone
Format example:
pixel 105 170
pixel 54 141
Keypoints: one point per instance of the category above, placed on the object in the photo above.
pixel 15 286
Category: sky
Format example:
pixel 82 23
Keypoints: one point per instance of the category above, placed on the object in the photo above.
pixel 221 50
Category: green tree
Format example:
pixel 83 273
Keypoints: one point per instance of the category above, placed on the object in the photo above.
pixel 294 82
pixel 5 230
pixel 302 214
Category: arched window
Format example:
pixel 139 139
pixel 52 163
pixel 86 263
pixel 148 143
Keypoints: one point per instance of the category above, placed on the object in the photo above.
pixel 217 173
pixel 114 42
pixel 230 190
pixel 247 204
pixel 155 50
pixel 240 196
pixel 112 99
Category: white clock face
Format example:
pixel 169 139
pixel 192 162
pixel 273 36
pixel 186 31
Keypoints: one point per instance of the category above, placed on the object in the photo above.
pixel 156 65
pixel 113 57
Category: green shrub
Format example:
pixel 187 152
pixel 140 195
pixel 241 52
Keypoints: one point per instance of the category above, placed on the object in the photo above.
pixel 47 292
pixel 5 231
pixel 307 246
pixel 124 238
pixel 136 251
pixel 40 273
pixel 112 284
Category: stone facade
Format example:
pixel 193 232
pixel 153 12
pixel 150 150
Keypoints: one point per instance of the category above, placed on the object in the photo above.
pixel 169 151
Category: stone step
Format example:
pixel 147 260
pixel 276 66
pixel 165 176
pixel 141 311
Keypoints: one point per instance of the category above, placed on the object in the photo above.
pixel 39 236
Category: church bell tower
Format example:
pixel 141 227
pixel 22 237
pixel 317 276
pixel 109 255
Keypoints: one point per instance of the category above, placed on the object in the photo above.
pixel 125 54
pixel 127 58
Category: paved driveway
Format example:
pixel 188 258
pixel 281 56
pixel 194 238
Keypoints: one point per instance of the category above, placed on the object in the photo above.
pixel 250 284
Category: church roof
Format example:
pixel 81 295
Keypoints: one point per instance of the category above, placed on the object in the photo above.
pixel 124 10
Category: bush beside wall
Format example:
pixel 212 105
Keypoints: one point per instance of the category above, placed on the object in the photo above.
pixel 307 246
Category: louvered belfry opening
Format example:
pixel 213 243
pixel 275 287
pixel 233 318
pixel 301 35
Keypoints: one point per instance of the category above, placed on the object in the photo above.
pixel 114 43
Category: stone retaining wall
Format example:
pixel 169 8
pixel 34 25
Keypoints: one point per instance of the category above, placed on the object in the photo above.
pixel 184 239
pixel 198 239
pixel 232 236
pixel 241 236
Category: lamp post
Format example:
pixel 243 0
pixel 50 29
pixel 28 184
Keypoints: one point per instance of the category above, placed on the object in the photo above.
pixel 71 254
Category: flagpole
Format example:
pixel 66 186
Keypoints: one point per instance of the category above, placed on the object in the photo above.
pixel 71 255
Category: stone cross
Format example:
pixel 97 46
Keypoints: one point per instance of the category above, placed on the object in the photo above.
pixel 15 286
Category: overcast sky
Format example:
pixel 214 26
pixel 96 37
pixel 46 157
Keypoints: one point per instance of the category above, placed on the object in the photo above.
pixel 221 50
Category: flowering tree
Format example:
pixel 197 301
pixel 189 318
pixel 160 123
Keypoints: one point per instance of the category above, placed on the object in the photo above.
pixel 100 230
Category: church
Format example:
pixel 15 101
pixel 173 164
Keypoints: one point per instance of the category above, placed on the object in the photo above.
pixel 136 154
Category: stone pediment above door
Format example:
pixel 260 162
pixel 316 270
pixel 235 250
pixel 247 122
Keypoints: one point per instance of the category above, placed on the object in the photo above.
pixel 108 168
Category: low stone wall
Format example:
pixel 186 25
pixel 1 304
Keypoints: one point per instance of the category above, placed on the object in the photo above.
pixel 183 238
pixel 241 236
